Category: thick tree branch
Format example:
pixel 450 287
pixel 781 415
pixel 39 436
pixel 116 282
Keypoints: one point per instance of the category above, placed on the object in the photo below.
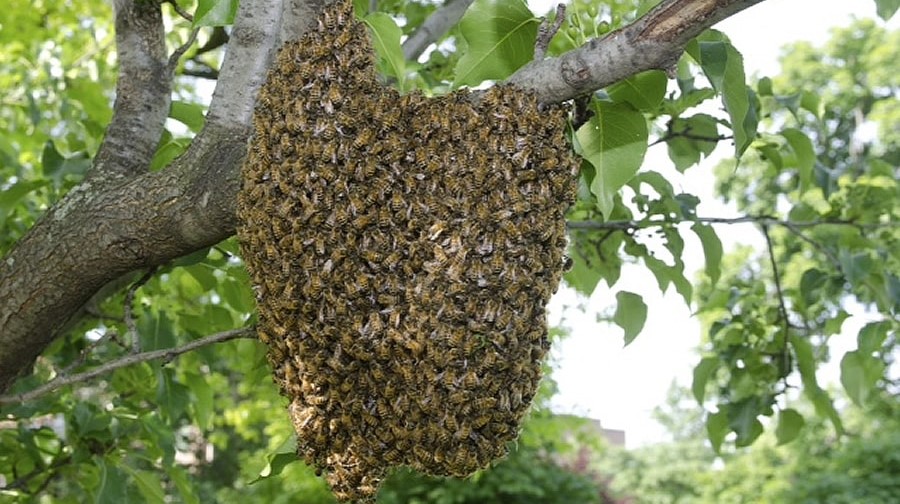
pixel 434 27
pixel 143 91
pixel 166 354
pixel 655 41
pixel 105 228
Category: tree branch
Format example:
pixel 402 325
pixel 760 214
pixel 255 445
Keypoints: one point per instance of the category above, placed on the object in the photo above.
pixel 143 91
pixel 655 41
pixel 629 225
pixel 782 308
pixel 437 24
pixel 105 228
pixel 166 354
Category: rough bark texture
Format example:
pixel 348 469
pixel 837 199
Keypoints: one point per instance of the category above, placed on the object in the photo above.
pixel 143 91
pixel 131 219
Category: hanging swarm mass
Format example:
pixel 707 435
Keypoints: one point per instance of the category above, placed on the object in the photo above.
pixel 403 249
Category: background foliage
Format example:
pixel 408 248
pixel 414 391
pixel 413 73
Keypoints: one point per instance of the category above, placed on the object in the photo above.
pixel 819 149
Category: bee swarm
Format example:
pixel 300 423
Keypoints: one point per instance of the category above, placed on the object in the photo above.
pixel 403 250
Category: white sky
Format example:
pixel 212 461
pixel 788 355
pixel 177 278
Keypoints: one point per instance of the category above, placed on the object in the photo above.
pixel 621 386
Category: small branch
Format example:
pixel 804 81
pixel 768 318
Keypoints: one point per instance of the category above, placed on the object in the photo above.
pixel 181 12
pixel 22 482
pixel 792 227
pixel 546 32
pixel 203 71
pixel 166 355
pixel 437 24
pixel 627 225
pixel 782 309
pixel 686 133
pixel 173 59
pixel 82 356
pixel 130 323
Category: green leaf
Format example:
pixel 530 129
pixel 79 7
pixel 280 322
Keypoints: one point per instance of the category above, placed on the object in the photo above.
pixel 712 250
pixel 283 456
pixel 51 159
pixel 688 145
pixel 645 91
pixel 806 364
pixel 148 484
pixel 886 8
pixel 743 420
pixel 703 371
pixel 666 275
pixel 859 375
pixel 185 488
pixel 215 12
pixel 11 196
pixel 93 98
pixel 385 36
pixel 724 67
pixel 500 36
pixel 614 141
pixel 169 149
pixel 203 404
pixel 872 336
pixel 112 488
pixel 790 424
pixel 856 267
pixel 804 154
pixel 764 87
pixel 172 397
pixel 811 284
pixel 717 428
pixel 631 313
pixel 192 115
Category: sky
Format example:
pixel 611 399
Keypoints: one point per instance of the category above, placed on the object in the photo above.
pixel 619 386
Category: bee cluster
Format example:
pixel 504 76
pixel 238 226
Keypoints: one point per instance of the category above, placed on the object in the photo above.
pixel 402 249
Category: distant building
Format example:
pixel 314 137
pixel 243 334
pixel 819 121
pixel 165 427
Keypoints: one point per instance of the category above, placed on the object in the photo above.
pixel 614 437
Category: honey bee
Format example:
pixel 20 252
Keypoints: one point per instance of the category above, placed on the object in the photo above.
pixel 470 380
pixel 408 377
pixel 394 318
pixel 414 346
pixel 363 138
pixel 422 454
pixel 372 256
pixel 363 220
pixel 481 420
pixel 385 218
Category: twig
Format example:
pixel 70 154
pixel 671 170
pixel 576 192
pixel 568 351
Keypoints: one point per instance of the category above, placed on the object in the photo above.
pixel 181 12
pixel 21 482
pixel 82 356
pixel 434 27
pixel 178 53
pixel 782 308
pixel 166 354
pixel 818 246
pixel 546 32
pixel 625 225
pixel 690 136
pixel 777 276
pixel 130 323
